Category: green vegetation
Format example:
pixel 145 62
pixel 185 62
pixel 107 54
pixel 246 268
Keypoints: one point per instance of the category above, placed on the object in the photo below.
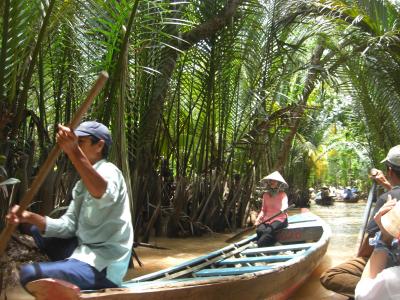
pixel 205 97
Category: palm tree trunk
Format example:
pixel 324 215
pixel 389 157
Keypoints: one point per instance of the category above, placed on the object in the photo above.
pixel 28 76
pixel 168 62
pixel 298 113
pixel 145 169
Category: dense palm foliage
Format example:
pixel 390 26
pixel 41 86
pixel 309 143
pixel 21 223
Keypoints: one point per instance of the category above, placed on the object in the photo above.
pixel 204 98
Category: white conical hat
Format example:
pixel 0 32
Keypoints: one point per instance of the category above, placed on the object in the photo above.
pixel 275 176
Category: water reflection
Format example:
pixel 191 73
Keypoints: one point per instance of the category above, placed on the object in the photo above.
pixel 345 220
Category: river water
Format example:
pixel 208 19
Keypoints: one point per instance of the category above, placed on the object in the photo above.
pixel 344 218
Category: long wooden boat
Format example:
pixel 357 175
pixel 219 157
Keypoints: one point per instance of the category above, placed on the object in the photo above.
pixel 238 271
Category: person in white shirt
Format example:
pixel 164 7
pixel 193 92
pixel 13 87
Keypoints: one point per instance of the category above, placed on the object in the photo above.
pixel 376 281
pixel 90 245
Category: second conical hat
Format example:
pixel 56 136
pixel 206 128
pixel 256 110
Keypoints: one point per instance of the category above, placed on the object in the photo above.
pixel 275 176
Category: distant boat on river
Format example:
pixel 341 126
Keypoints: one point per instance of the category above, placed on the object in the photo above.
pixel 238 271
pixel 350 195
pixel 324 197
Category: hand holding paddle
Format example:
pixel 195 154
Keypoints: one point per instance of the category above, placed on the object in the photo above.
pixel 51 159
pixel 246 230
pixel 380 178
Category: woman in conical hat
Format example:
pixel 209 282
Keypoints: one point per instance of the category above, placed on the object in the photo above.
pixel 274 200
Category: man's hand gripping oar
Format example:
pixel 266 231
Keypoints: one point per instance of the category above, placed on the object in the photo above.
pixel 50 161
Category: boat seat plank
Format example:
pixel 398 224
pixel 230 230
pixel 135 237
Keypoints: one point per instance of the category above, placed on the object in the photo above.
pixel 230 271
pixel 303 225
pixel 265 250
pixel 300 232
pixel 306 217
pixel 256 259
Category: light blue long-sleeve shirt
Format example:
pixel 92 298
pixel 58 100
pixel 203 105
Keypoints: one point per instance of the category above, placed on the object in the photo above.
pixel 103 226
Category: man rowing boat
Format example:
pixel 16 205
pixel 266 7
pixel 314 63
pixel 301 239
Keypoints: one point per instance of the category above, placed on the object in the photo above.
pixel 90 245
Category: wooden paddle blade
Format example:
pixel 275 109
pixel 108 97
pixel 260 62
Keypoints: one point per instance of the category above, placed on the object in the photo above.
pixel 240 234
pixel 137 244
pixel 51 289
pixel 244 231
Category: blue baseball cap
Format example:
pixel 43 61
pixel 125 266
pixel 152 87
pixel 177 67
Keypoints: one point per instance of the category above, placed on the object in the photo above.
pixel 95 129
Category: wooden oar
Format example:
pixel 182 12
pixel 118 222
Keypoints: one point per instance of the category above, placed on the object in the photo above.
pixel 137 244
pixel 367 213
pixel 248 229
pixel 50 161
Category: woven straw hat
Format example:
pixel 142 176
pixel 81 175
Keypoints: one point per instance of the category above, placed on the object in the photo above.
pixel 274 176
pixel 391 221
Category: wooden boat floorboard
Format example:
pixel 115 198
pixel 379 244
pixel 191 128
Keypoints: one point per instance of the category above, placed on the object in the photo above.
pixel 255 259
pixel 231 271
pixel 276 249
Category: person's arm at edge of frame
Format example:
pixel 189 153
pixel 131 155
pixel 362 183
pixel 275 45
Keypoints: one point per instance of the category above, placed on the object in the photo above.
pixel 367 287
pixel 94 182
pixel 378 259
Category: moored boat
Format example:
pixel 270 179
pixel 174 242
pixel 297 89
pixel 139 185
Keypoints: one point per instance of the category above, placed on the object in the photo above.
pixel 238 271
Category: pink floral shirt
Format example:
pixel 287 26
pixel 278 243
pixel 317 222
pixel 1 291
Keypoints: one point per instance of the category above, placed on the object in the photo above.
pixel 272 205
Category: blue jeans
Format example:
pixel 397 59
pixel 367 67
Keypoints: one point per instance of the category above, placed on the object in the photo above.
pixel 61 267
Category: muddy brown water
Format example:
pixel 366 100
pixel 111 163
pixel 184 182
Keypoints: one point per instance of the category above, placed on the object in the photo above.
pixel 344 218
